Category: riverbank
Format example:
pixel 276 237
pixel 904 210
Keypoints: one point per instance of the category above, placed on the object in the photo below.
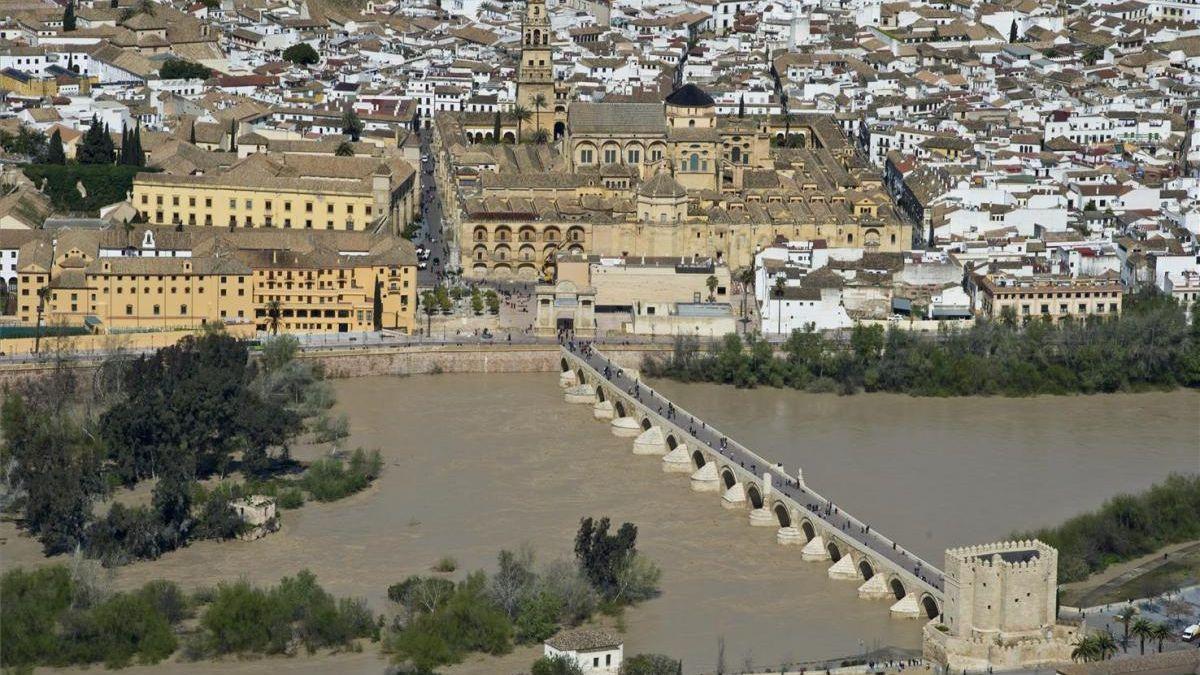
pixel 1167 569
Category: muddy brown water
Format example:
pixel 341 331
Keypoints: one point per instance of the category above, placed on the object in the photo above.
pixel 479 462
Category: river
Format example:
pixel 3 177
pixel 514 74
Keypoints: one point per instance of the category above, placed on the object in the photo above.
pixel 475 463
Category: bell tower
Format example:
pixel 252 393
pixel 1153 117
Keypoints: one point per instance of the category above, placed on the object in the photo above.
pixel 535 73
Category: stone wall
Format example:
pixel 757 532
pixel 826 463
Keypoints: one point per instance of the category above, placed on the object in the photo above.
pixel 498 358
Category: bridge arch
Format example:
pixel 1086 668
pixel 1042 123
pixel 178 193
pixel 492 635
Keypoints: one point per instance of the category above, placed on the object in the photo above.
pixel 698 459
pixel 754 496
pixel 898 589
pixel 782 514
pixel 581 375
pixel 727 478
pixel 865 568
pixel 646 424
pixel 807 528
pixel 563 363
pixel 835 553
pixel 930 606
pixel 600 394
pixel 620 409
pixel 671 442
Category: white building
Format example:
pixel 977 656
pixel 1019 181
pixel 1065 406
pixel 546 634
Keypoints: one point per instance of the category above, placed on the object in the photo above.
pixel 804 308
pixel 595 651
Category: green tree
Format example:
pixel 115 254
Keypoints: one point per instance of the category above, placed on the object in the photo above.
pixel 650 664
pixel 496 127
pixel 1093 54
pixel 602 556
pixel 352 126
pixel 180 69
pixel 274 315
pixel 301 54
pixel 344 149
pixel 556 665
pixel 96 146
pixel 68 18
pixel 1160 633
pixel 1125 617
pixel 711 282
pixel 1142 629
pixel 429 305
pixel 377 306
pixel 476 302
pixel 519 114
pixel 493 301
pixel 55 153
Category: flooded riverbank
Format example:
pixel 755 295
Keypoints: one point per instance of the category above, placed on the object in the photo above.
pixel 475 463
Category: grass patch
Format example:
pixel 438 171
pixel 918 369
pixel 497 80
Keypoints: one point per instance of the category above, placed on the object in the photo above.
pixel 1178 572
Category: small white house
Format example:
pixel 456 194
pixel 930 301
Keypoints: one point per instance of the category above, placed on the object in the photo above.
pixel 596 651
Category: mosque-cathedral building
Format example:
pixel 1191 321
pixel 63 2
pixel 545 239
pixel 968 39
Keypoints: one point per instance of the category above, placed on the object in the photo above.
pixel 631 179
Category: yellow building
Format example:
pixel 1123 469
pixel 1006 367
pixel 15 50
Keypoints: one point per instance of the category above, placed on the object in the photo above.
pixel 1048 296
pixel 161 279
pixel 288 191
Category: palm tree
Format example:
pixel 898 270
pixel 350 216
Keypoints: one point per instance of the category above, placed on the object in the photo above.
pixel 1125 616
pixel 1106 646
pixel 43 294
pixel 519 114
pixel 1142 629
pixel 1085 650
pixel 344 149
pixel 711 282
pixel 274 312
pixel 539 102
pixel 1160 633
pixel 541 137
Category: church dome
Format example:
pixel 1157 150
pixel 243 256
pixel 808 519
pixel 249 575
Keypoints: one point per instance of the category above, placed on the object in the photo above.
pixel 690 96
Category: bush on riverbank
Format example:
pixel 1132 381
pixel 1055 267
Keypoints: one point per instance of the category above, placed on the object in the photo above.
pixel 56 616
pixel 441 622
pixel 1151 345
pixel 48 618
pixel 245 619
pixel 1127 526
pixel 330 478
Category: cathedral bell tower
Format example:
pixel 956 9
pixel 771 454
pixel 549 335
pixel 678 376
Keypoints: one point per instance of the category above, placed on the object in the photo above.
pixel 535 73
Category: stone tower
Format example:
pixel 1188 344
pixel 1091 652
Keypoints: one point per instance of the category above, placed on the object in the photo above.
pixel 535 73
pixel 1000 609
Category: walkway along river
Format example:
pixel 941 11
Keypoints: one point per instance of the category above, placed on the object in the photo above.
pixel 858 551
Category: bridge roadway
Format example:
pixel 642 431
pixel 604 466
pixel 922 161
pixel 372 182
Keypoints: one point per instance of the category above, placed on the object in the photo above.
pixel 916 575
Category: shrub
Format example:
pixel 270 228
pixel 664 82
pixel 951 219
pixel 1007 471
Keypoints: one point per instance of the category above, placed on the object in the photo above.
pixel 173 69
pixel 556 665
pixel 218 520
pixel 467 622
pixel 124 628
pixel 330 428
pixel 446 565
pixel 302 54
pixel 329 478
pixel 244 619
pixel 650 664
pixel 126 534
pixel 30 604
pixel 290 498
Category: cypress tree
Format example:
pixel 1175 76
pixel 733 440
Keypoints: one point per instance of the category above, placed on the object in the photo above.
pixel 496 128
pixel 1012 32
pixel 125 157
pixel 55 153
pixel 742 108
pixel 108 148
pixel 69 17
pixel 139 155
pixel 377 305
pixel 192 134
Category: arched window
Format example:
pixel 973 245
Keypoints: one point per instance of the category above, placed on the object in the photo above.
pixel 736 155
pixel 694 162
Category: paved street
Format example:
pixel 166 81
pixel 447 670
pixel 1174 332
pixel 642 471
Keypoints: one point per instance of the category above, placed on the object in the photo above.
pixel 820 507
pixel 431 234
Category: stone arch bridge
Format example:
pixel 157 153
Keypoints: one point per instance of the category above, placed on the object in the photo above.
pixel 744 481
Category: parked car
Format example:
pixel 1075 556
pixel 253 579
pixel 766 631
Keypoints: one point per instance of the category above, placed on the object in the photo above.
pixel 1191 632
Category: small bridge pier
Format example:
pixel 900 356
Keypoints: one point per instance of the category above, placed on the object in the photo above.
pixel 767 495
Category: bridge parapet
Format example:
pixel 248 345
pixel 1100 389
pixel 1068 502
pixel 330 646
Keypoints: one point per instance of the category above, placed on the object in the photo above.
pixel 745 479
